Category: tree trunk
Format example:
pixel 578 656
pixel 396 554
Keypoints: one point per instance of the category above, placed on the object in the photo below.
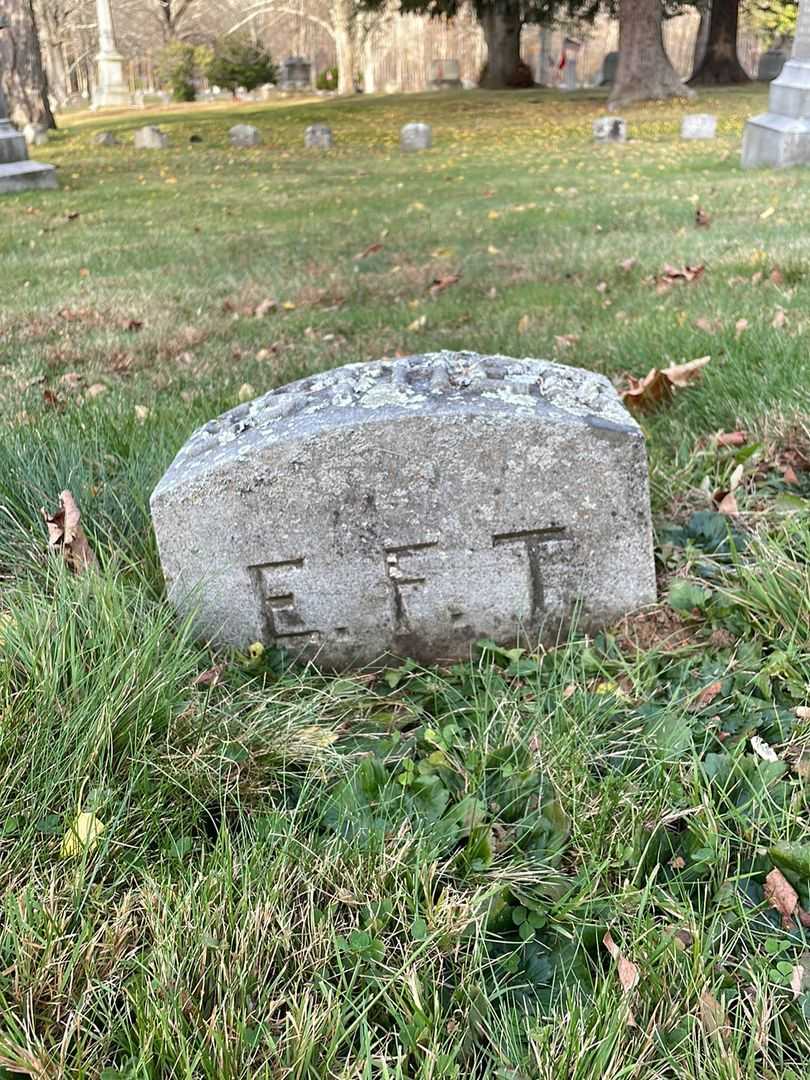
pixel 702 36
pixel 26 85
pixel 501 25
pixel 644 72
pixel 721 64
pixel 344 45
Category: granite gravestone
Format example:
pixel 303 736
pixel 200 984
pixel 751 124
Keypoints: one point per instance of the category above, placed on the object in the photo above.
pixel 610 66
pixel 416 137
pixel 445 75
pixel 698 126
pixel 318 137
pixel 150 138
pixel 296 74
pixel 771 64
pixel 611 129
pixel 781 136
pixel 17 172
pixel 410 507
pixel 245 136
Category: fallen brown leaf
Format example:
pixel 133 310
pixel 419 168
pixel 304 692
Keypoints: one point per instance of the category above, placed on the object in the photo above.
pixel 211 677
pixel 439 284
pixel 628 264
pixel 776 276
pixel 725 502
pixel 713 1016
pixel 657 385
pixel 740 326
pixel 677 275
pixel 132 325
pixel 265 307
pixel 66 535
pixel 779 319
pixel 628 971
pixel 706 696
pixel 702 219
pixel 565 341
pixel 372 249
pixel 681 375
pixel 731 438
pixel 781 895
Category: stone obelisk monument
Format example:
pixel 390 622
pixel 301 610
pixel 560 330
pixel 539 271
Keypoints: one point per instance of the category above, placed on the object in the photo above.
pixel 111 90
pixel 781 136
pixel 17 173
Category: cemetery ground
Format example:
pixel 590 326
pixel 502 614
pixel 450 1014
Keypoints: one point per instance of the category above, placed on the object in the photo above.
pixel 585 862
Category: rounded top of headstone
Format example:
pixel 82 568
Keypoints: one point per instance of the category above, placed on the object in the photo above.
pixel 441 384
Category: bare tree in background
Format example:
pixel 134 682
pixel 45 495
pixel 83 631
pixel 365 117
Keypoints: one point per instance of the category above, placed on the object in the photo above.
pixel 24 81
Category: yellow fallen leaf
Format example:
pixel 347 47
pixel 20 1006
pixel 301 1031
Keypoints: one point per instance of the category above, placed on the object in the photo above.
pixel 288 305
pixel 256 650
pixel 523 324
pixel 82 835
pixel 246 392
pixel 493 215
pixel 767 213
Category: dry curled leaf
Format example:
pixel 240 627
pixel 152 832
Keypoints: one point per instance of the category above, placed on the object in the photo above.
pixel 66 535
pixel 725 502
pixel 628 971
pixel 781 895
pixel 265 307
pixel 372 249
pixel 731 438
pixel 565 341
pixel 706 696
pixel 762 749
pixel 657 386
pixel 677 275
pixel 779 319
pixel 439 284
pixel 211 677
pixel 702 219
pixel 713 1016
pixel 628 264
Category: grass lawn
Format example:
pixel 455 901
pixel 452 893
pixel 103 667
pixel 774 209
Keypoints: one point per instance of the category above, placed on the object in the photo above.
pixel 280 874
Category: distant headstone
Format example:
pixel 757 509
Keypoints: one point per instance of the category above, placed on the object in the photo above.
pixel 609 129
pixel 445 75
pixel 318 137
pixel 698 126
pixel 150 138
pixel 296 74
pixel 35 134
pixel 609 67
pixel 416 137
pixel 410 507
pixel 245 136
pixel 771 64
pixel 105 138
pixel 570 74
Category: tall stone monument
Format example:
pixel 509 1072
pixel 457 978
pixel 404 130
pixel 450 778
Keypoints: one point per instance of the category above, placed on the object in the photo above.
pixel 781 136
pixel 17 173
pixel 411 507
pixel 111 91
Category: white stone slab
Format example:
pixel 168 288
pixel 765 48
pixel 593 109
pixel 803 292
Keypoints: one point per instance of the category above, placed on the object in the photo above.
pixel 410 507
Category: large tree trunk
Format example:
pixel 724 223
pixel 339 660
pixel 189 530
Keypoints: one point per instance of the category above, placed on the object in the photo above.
pixel 25 83
pixel 702 36
pixel 501 25
pixel 720 63
pixel 343 14
pixel 644 72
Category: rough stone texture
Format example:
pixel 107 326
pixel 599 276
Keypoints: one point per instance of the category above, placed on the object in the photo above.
pixel 150 138
pixel 35 134
pixel 318 137
pixel 245 136
pixel 17 173
pixel 698 126
pixel 105 138
pixel 410 507
pixel 610 129
pixel 416 137
pixel 781 136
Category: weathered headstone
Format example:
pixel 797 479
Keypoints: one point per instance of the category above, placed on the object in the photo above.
pixel 318 137
pixel 245 136
pixel 781 136
pixel 416 137
pixel 17 173
pixel 296 74
pixel 35 134
pixel 150 138
pixel 610 65
pixel 771 64
pixel 105 138
pixel 445 75
pixel 610 129
pixel 410 507
pixel 698 126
